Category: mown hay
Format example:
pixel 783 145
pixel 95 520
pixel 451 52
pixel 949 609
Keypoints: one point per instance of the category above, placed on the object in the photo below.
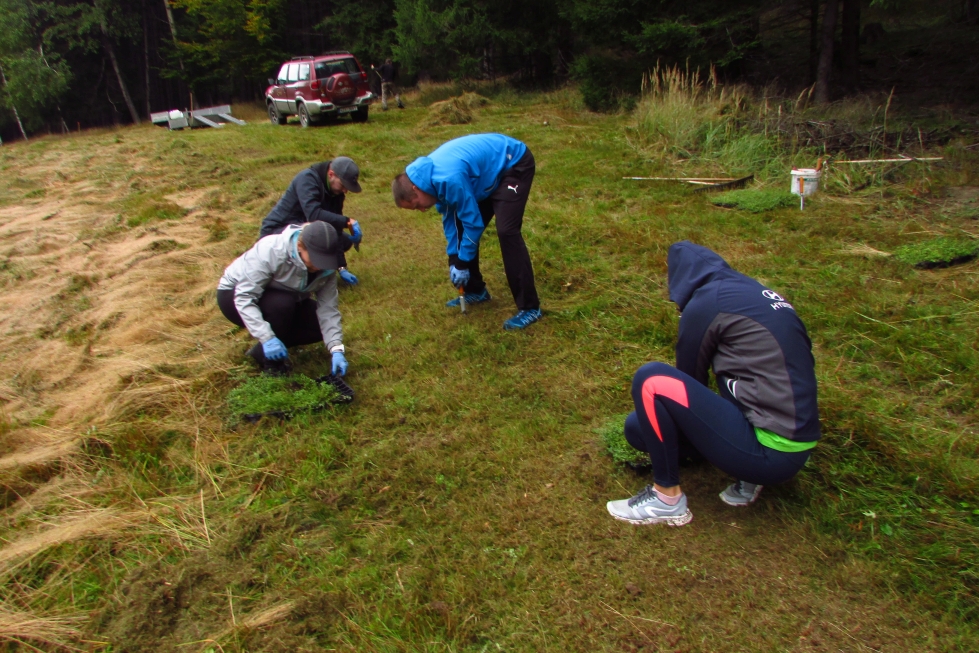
pixel 85 524
pixel 457 110
pixel 54 632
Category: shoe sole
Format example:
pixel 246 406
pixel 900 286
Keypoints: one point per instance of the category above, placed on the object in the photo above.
pixel 679 520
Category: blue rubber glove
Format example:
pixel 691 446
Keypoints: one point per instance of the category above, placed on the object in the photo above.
pixel 274 349
pixel 458 277
pixel 348 277
pixel 339 363
pixel 356 235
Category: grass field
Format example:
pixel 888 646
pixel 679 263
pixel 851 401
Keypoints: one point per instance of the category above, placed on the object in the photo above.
pixel 459 503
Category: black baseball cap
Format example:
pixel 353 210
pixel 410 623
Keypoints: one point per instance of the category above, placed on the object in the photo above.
pixel 348 172
pixel 321 242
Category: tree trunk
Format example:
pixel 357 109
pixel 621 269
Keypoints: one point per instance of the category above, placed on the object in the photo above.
pixel 826 52
pixel 146 61
pixel 851 44
pixel 61 118
pixel 173 28
pixel 813 40
pixel 180 60
pixel 3 78
pixel 122 83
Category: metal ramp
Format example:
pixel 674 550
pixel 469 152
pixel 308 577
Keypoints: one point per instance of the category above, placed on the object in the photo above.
pixel 207 117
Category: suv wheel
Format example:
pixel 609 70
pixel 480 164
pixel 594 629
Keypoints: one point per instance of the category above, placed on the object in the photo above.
pixel 360 115
pixel 304 118
pixel 274 116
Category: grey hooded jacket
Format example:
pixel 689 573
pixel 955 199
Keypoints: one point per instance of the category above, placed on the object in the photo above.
pixel 273 262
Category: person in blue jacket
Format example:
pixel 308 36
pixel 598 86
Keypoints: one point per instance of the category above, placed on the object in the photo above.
pixel 761 425
pixel 469 180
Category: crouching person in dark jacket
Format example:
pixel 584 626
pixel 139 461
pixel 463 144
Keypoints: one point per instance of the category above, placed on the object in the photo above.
pixel 763 423
pixel 317 193
pixel 284 291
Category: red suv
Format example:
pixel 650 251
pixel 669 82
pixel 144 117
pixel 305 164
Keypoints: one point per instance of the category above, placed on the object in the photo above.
pixel 321 87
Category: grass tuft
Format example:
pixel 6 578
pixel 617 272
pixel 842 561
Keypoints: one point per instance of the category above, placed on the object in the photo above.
pixel 755 201
pixel 937 252
pixel 279 394
pixel 621 451
pixel 159 210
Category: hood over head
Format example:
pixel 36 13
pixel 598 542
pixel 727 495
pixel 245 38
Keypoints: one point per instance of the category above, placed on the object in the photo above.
pixel 420 174
pixel 689 267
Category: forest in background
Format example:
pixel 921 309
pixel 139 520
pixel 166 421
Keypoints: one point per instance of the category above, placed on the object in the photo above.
pixel 70 64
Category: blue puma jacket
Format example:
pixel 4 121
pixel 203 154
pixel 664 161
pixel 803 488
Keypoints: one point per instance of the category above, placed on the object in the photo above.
pixel 461 173
pixel 751 337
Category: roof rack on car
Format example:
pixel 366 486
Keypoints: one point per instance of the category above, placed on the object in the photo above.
pixel 304 57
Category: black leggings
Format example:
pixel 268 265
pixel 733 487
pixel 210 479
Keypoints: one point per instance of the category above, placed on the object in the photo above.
pixel 507 203
pixel 674 411
pixel 294 321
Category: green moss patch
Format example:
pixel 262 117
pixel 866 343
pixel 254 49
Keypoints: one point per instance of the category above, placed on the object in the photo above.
pixel 938 252
pixel 755 201
pixel 613 435
pixel 282 396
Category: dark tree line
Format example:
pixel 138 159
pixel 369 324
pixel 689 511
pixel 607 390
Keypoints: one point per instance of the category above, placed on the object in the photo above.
pixel 71 63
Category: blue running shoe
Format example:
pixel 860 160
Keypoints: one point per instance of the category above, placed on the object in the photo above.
pixel 471 298
pixel 522 319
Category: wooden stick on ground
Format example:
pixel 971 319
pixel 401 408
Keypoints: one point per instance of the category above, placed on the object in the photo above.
pixel 901 160
pixel 703 179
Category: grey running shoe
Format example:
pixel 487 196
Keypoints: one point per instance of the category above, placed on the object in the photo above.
pixel 647 508
pixel 740 493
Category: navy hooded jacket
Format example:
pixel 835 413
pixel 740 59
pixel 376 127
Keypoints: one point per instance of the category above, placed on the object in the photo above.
pixel 751 337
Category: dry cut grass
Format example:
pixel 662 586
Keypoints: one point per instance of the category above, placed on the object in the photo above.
pixel 26 629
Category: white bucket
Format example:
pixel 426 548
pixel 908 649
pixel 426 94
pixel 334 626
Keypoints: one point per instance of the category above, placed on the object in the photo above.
pixel 805 181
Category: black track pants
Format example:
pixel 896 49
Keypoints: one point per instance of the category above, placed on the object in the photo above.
pixel 294 322
pixel 674 411
pixel 507 203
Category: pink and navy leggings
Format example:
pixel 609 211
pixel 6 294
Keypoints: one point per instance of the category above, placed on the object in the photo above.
pixel 674 412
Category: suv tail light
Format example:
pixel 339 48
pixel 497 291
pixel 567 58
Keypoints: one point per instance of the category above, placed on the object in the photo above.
pixel 315 85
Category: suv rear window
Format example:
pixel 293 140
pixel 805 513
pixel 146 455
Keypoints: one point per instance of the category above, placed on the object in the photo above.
pixel 330 68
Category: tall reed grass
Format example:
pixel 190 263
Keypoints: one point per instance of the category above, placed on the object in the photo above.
pixel 691 123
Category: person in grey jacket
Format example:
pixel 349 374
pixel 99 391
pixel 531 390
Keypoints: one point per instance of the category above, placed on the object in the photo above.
pixel 284 291
pixel 317 193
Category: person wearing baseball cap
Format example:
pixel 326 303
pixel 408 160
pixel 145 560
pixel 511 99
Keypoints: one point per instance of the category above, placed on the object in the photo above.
pixel 317 194
pixel 284 291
